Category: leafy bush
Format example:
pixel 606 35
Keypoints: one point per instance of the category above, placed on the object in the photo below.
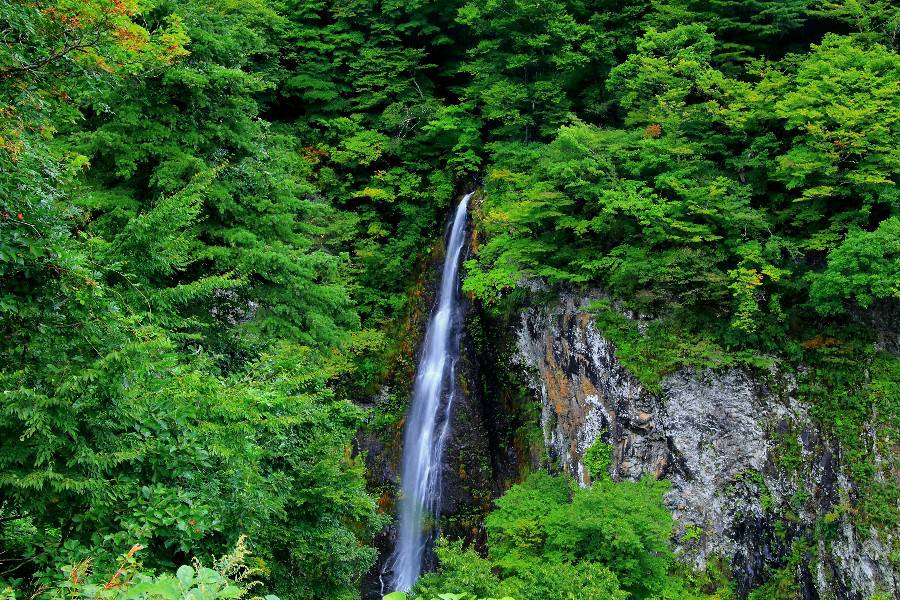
pixel 548 539
pixel 229 577
pixel 598 458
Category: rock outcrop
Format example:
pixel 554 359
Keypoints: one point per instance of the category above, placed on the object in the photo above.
pixel 719 437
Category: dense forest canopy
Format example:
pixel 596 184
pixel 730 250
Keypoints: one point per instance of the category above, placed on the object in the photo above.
pixel 212 213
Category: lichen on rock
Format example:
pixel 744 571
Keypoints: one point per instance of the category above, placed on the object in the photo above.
pixel 718 435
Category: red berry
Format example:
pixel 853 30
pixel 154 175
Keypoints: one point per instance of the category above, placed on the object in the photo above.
pixel 20 216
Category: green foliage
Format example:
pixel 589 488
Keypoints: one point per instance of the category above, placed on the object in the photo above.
pixel 666 345
pixel 466 570
pixel 461 569
pixel 544 536
pixel 877 20
pixel 547 539
pixel 534 65
pixel 522 62
pixel 258 223
pixel 143 447
pixel 622 526
pixel 744 30
pixel 118 426
pixel 229 577
pixel 672 212
pixel 836 103
pixel 445 596
pixel 598 458
pixel 863 270
pixel 212 215
pixel 853 390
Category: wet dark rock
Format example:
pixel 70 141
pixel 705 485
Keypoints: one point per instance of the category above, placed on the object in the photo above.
pixel 883 317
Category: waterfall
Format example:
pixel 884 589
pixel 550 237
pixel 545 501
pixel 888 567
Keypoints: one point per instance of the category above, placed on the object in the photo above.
pixel 428 421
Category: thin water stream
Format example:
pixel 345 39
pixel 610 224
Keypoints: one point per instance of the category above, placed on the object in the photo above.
pixel 428 421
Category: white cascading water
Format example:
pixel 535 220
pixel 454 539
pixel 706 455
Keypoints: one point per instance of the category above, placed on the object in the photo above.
pixel 428 420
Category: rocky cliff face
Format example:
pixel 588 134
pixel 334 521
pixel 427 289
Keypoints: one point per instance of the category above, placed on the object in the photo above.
pixel 718 436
